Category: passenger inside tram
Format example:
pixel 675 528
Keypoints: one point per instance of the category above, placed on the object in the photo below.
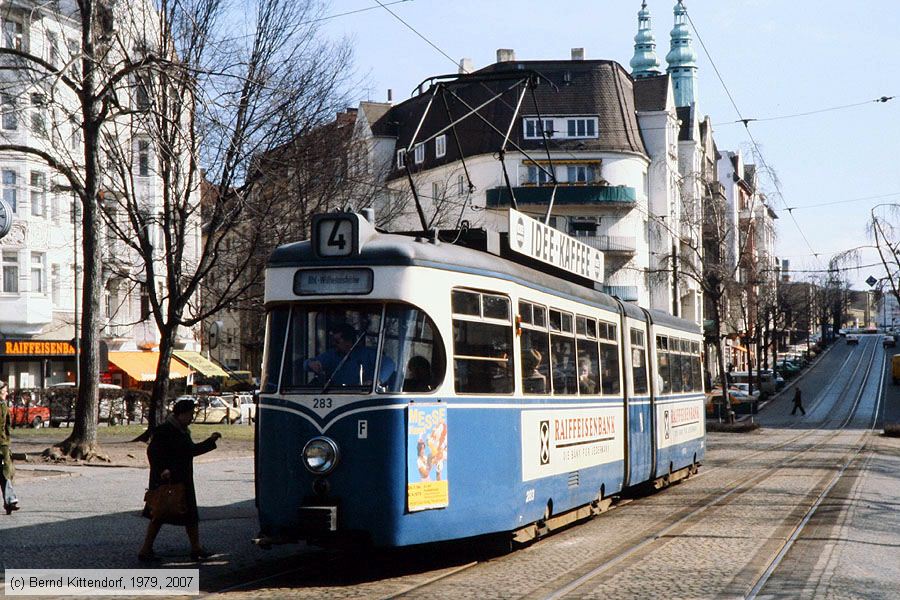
pixel 418 375
pixel 348 362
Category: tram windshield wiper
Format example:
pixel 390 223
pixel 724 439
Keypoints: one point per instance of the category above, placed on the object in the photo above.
pixel 343 361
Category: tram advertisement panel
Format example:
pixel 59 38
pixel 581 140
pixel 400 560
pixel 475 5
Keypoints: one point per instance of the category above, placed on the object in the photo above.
pixel 427 481
pixel 560 441
pixel 679 422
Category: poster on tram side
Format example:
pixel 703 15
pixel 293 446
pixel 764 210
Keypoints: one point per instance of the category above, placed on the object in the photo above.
pixel 427 479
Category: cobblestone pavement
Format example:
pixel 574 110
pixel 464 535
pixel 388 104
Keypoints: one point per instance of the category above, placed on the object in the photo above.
pixel 849 548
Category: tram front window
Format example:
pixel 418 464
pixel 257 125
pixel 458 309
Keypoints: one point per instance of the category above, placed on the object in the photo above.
pixel 355 349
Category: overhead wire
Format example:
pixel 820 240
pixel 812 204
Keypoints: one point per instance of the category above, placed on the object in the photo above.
pixel 746 124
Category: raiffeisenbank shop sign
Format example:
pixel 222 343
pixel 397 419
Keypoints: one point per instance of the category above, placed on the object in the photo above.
pixel 544 243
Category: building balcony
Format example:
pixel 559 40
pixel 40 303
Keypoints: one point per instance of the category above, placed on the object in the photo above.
pixel 606 196
pixel 611 244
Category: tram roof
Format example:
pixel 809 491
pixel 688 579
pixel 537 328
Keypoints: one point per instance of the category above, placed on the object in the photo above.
pixel 385 249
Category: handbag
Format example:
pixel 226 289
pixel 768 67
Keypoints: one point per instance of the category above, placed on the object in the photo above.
pixel 167 502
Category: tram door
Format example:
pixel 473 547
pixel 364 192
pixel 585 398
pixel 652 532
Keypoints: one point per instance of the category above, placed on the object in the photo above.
pixel 640 425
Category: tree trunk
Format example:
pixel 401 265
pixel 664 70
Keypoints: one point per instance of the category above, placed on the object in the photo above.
pixel 82 443
pixel 160 391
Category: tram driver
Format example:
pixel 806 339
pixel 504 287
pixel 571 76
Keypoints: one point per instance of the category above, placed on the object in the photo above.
pixel 349 362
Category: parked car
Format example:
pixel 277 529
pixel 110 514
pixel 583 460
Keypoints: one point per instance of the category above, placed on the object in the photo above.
pixel 62 403
pixel 888 341
pixel 762 380
pixel 24 413
pixel 214 409
pixel 248 407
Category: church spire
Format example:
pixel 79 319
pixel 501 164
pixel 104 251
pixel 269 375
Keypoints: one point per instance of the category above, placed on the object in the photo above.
pixel 644 62
pixel 682 60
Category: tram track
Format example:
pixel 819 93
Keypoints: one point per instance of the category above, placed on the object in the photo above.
pixel 735 489
pixel 851 457
pixel 747 484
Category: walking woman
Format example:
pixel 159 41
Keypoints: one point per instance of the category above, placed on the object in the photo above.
pixel 7 471
pixel 171 454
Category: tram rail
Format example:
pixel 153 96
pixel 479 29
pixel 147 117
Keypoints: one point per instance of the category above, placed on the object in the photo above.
pixel 736 487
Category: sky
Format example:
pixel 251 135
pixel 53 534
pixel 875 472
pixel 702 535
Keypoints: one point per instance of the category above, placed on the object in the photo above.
pixel 777 58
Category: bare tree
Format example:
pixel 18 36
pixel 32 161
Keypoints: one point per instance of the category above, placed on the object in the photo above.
pixel 882 228
pixel 76 89
pixel 212 97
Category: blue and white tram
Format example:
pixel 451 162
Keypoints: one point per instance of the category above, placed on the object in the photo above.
pixel 416 391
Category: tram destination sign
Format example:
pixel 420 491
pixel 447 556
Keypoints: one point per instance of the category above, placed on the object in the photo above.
pixel 544 243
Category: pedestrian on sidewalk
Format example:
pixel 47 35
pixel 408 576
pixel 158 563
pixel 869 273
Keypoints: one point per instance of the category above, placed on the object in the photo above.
pixel 7 471
pixel 798 402
pixel 171 454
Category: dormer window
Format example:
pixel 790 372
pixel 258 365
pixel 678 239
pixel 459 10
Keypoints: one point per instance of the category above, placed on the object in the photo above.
pixel 561 127
pixel 440 146
pixel 401 159
pixel 419 154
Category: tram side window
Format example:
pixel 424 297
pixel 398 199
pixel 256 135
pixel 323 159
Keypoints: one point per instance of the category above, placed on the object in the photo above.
pixel 638 362
pixel 687 375
pixel 588 356
pixel 562 353
pixel 276 325
pixel 535 349
pixel 610 380
pixel 412 342
pixel 664 377
pixel 676 363
pixel 482 343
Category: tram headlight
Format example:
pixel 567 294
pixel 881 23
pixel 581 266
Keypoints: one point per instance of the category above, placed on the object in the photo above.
pixel 320 455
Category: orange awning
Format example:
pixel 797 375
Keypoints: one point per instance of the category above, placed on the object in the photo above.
pixel 142 365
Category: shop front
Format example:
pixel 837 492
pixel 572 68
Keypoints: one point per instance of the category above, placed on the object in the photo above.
pixel 26 363
pixel 137 369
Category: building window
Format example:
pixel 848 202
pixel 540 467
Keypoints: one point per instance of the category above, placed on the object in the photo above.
pixel 143 158
pixel 419 154
pixel 10 273
pixel 401 159
pixel 460 185
pixel 440 146
pixel 538 175
pixel 38 194
pixel 37 272
pixel 75 142
pixel 12 34
pixel 580 174
pixel 54 208
pixel 581 128
pixel 534 130
pixel 10 118
pixel 54 284
pixel 9 189
pixel 53 49
pixel 74 47
pixel 38 119
pixel 435 190
pixel 142 93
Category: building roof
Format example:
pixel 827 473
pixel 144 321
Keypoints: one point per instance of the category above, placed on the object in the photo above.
pixel 599 88
pixel 651 93
pixel 373 112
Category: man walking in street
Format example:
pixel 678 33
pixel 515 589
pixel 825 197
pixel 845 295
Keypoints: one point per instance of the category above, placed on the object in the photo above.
pixel 798 402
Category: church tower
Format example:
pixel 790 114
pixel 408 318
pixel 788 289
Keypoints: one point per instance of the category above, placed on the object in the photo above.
pixel 644 62
pixel 682 60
